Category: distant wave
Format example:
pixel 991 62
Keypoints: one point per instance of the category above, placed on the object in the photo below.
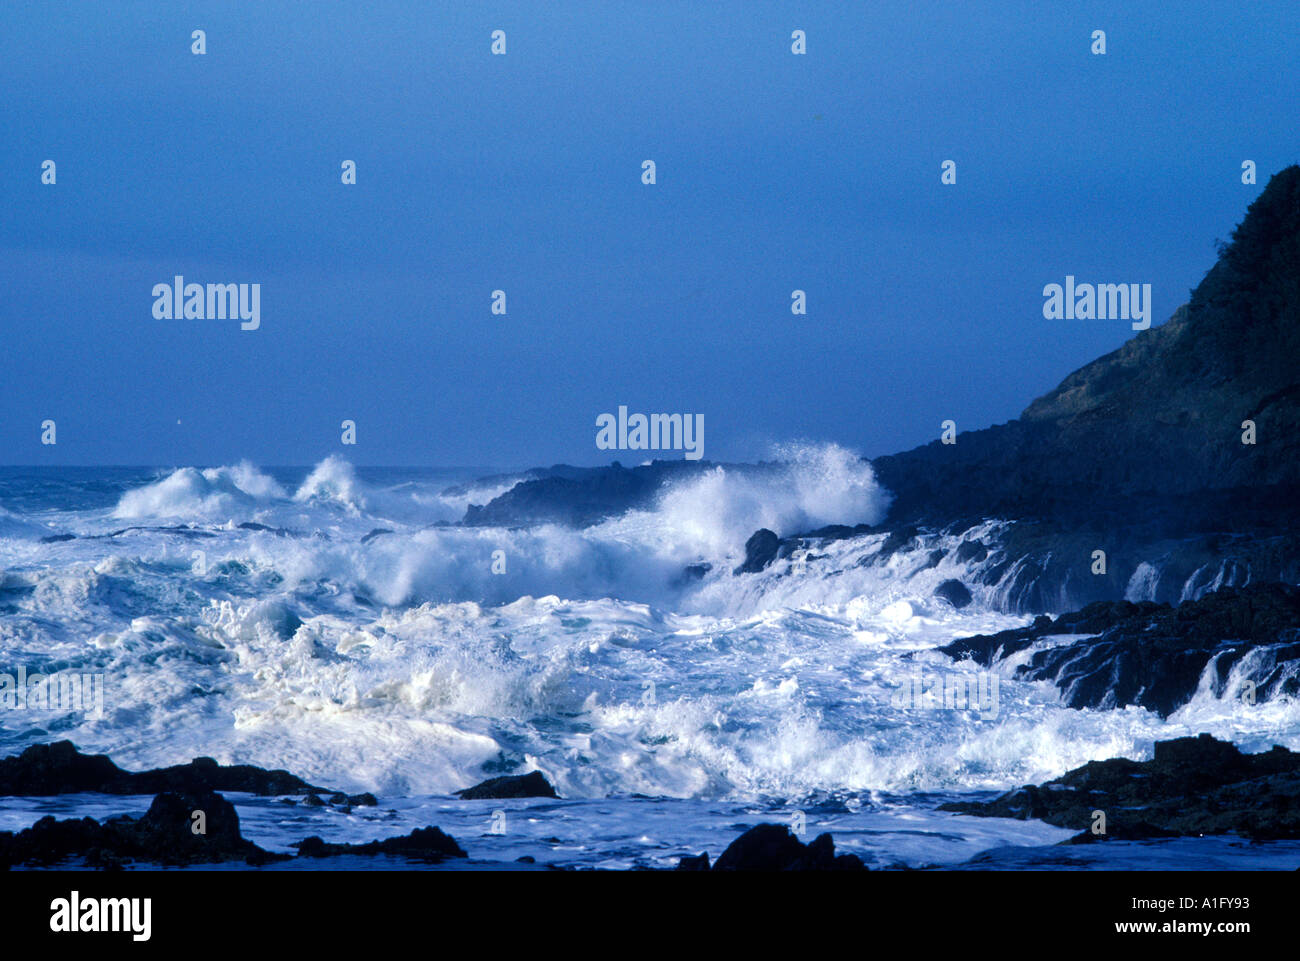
pixel 192 494
pixel 816 486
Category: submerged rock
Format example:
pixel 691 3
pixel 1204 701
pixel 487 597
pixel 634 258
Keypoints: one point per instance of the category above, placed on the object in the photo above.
pixel 533 784
pixel 691 573
pixel 427 845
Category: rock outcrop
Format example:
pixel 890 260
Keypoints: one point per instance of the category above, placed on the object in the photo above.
pixel 1192 786
pixel 1154 655
pixel 165 835
pixel 59 768
pixel 773 847
pixel 533 784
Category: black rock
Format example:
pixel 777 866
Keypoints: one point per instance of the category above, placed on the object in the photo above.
pixel 760 550
pixel 772 847
pixel 428 845
pixel 933 560
pixel 167 834
pixel 697 862
pixel 1139 453
pixel 1191 786
pixel 954 592
pixel 59 768
pixel 895 541
pixel 1154 655
pixel 533 784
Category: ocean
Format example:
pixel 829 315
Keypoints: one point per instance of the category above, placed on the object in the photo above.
pixel 338 622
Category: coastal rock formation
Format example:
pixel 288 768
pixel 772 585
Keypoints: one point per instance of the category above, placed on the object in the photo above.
pixel 1139 454
pixel 760 550
pixel 164 835
pixel 533 784
pixel 954 592
pixel 59 768
pixel 1154 655
pixel 1191 786
pixel 772 847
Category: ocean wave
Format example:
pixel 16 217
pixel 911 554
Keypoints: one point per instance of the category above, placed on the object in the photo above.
pixel 350 637
pixel 193 494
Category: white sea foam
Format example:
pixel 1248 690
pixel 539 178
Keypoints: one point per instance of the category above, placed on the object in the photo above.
pixel 400 663
pixel 192 494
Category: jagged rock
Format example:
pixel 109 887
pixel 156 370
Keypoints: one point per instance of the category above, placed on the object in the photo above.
pixel 772 847
pixel 533 784
pixel 954 592
pixel 1154 655
pixel 1147 430
pixel 1191 786
pixel 59 768
pixel 895 541
pixel 164 835
pixel 760 550
pixel 696 862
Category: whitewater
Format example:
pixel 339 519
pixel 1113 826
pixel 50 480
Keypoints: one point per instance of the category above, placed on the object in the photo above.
pixel 338 622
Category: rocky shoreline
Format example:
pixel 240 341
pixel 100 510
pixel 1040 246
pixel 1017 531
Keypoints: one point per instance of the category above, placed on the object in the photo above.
pixel 1175 455
pixel 1155 655
pixel 1191 787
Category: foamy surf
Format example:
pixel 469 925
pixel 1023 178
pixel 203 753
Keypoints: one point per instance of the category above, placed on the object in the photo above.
pixel 327 622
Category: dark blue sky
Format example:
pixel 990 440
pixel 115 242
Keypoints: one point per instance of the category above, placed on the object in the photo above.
pixel 522 172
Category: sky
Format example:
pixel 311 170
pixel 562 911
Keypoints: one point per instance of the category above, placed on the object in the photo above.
pixel 523 172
